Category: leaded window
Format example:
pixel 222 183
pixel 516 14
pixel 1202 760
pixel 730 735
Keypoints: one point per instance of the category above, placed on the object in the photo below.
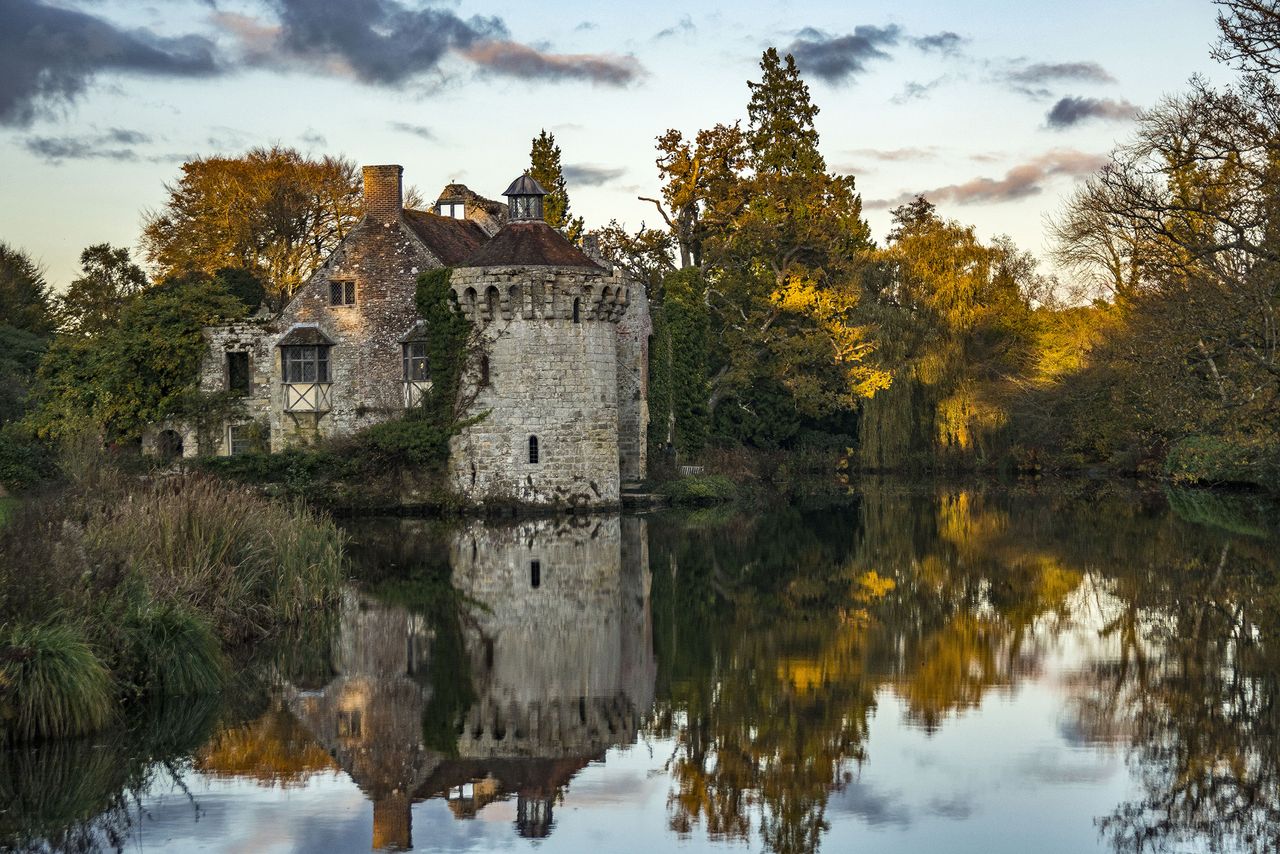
pixel 342 293
pixel 242 438
pixel 416 366
pixel 306 363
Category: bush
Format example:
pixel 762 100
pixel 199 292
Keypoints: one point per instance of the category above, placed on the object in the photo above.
pixel 172 651
pixel 51 684
pixel 24 462
pixel 700 490
pixel 1223 460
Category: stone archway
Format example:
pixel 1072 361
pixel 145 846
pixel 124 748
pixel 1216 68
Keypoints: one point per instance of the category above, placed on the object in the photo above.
pixel 169 445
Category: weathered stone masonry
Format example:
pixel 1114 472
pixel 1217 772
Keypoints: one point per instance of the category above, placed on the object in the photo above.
pixel 565 343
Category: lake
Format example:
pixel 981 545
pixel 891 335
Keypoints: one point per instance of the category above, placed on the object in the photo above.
pixel 1082 667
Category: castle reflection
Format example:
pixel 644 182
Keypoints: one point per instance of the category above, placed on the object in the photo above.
pixel 534 661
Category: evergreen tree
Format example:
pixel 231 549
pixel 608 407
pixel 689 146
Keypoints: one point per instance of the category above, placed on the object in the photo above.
pixel 544 158
pixel 25 300
pixel 781 136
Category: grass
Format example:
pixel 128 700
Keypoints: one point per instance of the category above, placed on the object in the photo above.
pixel 164 578
pixel 52 684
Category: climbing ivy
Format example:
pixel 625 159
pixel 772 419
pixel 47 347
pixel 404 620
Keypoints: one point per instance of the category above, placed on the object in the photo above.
pixel 678 358
pixel 450 344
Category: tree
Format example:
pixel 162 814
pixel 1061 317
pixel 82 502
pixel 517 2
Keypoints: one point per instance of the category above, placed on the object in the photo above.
pixel 702 186
pixel 273 212
pixel 25 300
pixel 544 160
pixel 108 279
pixel 140 370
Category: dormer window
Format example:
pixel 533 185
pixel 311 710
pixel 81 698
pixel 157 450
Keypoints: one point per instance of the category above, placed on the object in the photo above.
pixel 342 293
pixel 453 210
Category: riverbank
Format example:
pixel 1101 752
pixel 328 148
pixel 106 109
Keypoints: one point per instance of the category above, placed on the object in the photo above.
pixel 116 589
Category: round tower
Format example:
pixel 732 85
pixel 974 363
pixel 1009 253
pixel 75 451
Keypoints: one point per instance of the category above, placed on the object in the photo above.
pixel 544 383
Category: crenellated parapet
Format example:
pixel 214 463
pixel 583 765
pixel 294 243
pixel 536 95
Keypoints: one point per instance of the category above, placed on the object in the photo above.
pixel 544 293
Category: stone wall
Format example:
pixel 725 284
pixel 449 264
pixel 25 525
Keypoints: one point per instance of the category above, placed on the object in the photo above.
pixel 254 338
pixel 548 377
pixel 634 331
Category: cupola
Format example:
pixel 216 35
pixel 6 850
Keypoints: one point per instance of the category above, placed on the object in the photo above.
pixel 524 199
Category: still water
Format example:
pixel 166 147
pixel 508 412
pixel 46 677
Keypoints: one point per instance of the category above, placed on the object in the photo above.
pixel 900 669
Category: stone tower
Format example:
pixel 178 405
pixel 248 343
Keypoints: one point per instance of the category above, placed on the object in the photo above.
pixel 547 376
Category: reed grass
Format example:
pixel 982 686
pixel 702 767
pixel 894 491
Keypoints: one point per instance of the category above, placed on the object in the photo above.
pixel 51 684
pixel 165 577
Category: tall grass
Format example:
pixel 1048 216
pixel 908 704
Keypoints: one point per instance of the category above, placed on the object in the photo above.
pixel 51 684
pixel 166 577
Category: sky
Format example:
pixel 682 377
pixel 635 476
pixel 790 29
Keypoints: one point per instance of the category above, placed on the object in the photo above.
pixel 994 109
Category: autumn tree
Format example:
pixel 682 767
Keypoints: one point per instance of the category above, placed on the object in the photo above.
pixel 545 168
pixel 272 211
pixel 1184 223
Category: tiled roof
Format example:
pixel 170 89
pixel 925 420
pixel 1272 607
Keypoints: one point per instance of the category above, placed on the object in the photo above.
pixel 530 244
pixel 450 240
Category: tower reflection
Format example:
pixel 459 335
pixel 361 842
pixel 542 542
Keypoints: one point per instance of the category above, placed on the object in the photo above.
pixel 541 661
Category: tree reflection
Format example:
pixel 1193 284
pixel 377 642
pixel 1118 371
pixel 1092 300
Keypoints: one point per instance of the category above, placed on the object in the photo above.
pixel 778 630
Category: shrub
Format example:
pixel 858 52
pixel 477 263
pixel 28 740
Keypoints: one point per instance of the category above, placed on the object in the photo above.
pixel 700 490
pixel 1222 460
pixel 51 684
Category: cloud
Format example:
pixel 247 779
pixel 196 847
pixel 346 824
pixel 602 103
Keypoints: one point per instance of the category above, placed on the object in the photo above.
pixel 314 137
pixel 836 59
pixel 112 144
pixel 516 60
pixel 897 155
pixel 1023 180
pixel 388 42
pixel 684 27
pixel 587 175
pixel 1072 111
pixel 421 131
pixel 914 90
pixel 586 26
pixel 49 55
pixel 945 42
pixel 1033 79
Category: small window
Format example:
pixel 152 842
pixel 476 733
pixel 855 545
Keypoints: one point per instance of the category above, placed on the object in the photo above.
pixel 416 367
pixel 306 364
pixel 577 307
pixel 535 574
pixel 533 449
pixel 238 372
pixel 342 293
pixel 241 439
pixel 349 723
pixel 455 210
pixel 484 370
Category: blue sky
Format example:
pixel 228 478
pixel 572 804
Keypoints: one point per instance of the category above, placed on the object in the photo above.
pixel 995 109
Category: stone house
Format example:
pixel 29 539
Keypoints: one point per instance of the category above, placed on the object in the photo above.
pixel 563 377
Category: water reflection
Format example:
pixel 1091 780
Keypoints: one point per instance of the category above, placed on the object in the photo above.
pixel 534 663
pixel 927 669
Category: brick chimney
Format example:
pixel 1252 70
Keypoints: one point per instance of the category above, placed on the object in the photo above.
pixel 382 196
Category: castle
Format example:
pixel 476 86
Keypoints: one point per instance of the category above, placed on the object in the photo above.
pixel 560 388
